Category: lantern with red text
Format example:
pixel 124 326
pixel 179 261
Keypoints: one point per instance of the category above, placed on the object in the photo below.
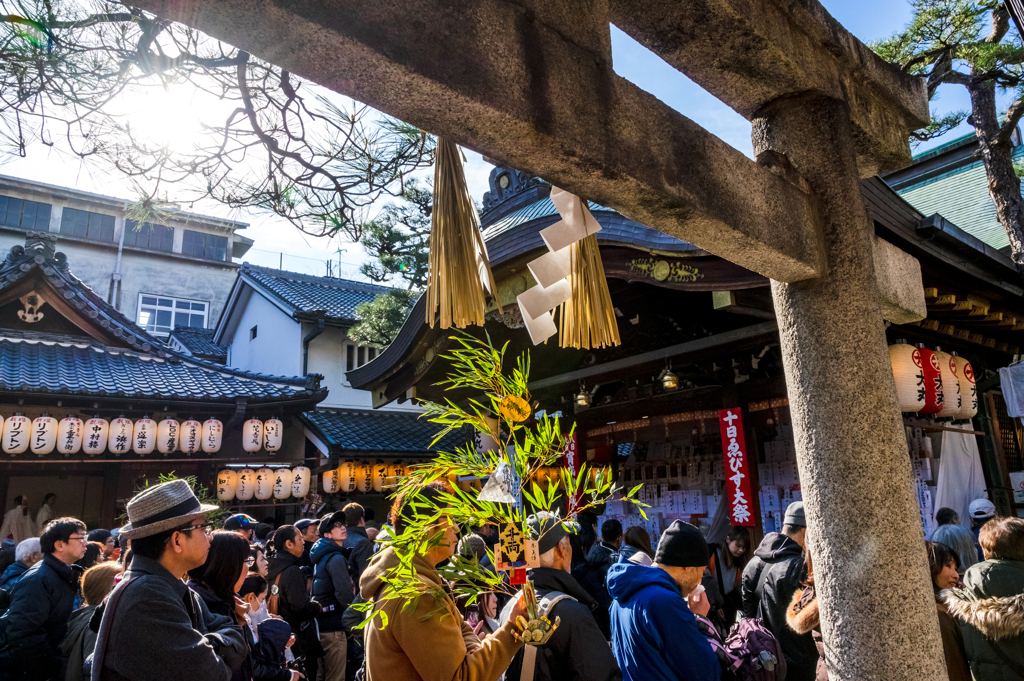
pixel 246 484
pixel 264 484
pixel 69 435
pixel 300 482
pixel 968 389
pixel 212 432
pixel 190 437
pixel 282 483
pixel 95 436
pixel 252 435
pixel 227 481
pixel 119 438
pixel 17 434
pixel 272 434
pixel 167 436
pixel 144 438
pixel 44 434
pixel 908 371
pixel 950 384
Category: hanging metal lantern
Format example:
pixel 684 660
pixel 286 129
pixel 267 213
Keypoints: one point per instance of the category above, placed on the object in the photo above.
pixel 69 435
pixel 191 436
pixel 583 399
pixel 669 381
pixel 246 484
pixel 17 434
pixel 119 438
pixel 282 483
pixel 349 476
pixel 364 477
pixel 300 482
pixel 908 371
pixel 212 432
pixel 273 431
pixel 950 384
pixel 968 389
pixel 264 484
pixel 44 434
pixel 227 481
pixel 380 474
pixel 167 432
pixel 332 481
pixel 95 436
pixel 144 437
pixel 252 435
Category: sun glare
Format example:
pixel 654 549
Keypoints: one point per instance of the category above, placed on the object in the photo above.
pixel 165 117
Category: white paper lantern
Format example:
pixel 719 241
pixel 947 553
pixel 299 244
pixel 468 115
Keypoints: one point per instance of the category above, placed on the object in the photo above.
pixel 264 484
pixel 950 384
pixel 144 437
pixel 395 474
pixel 44 434
pixel 273 430
pixel 968 389
pixel 69 435
pixel 167 432
pixel 212 432
pixel 364 477
pixel 17 434
pixel 332 481
pixel 246 484
pixel 908 371
pixel 282 483
pixel 94 439
pixel 252 435
pixel 190 437
pixel 227 482
pixel 380 475
pixel 349 476
pixel 300 482
pixel 119 438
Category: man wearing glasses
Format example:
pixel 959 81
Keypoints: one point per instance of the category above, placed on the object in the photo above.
pixel 41 603
pixel 154 628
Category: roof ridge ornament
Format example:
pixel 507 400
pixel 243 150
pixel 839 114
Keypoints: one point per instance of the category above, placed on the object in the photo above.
pixel 40 243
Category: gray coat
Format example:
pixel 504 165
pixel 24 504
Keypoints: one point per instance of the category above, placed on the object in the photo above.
pixel 161 630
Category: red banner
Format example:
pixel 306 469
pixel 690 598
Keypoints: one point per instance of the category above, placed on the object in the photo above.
pixel 737 468
pixel 571 460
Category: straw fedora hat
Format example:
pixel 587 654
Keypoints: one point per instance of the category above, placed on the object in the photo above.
pixel 161 508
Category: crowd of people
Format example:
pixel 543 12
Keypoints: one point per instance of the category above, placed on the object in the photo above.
pixel 168 598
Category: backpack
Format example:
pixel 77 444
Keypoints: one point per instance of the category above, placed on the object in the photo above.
pixel 754 653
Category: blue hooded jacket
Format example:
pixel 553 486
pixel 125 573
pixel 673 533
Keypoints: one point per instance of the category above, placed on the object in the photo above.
pixel 654 634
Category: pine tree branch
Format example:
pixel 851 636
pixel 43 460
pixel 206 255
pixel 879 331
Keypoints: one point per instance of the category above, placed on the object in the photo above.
pixel 1000 25
pixel 1013 116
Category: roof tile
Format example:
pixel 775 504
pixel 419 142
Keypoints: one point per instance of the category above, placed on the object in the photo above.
pixel 306 293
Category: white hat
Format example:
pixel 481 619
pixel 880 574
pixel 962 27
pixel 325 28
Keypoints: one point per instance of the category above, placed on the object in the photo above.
pixel 161 508
pixel 982 508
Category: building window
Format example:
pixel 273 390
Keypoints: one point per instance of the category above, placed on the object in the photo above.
pixel 358 355
pixel 202 245
pixel 25 214
pixel 146 235
pixel 87 225
pixel 158 314
pixel 252 333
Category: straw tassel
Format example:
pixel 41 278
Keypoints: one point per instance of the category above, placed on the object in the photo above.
pixel 587 319
pixel 458 268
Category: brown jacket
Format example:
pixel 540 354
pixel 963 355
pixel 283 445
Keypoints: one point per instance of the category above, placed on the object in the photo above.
pixel 802 617
pixel 428 642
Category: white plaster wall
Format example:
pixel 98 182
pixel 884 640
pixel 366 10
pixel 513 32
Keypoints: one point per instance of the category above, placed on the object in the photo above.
pixel 277 348
pixel 175 277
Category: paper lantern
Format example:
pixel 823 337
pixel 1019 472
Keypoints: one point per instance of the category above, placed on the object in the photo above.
pixel 252 435
pixel 933 393
pixel 395 474
pixel 95 436
pixel 246 486
pixel 332 481
pixel 167 436
pixel 380 475
pixel 282 483
pixel 968 389
pixel 17 434
pixel 144 438
pixel 119 437
pixel 264 484
pixel 950 384
pixel 907 370
pixel 44 434
pixel 227 481
pixel 364 477
pixel 300 482
pixel 348 476
pixel 272 434
pixel 69 435
pixel 212 432
pixel 190 437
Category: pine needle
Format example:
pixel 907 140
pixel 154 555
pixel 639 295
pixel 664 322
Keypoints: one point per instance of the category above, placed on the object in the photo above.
pixel 458 256
pixel 588 320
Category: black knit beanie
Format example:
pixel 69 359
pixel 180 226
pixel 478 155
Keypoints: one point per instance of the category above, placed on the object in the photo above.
pixel 682 545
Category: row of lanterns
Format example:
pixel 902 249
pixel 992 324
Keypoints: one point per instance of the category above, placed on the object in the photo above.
pixel 363 477
pixel 122 435
pixel 263 483
pixel 935 383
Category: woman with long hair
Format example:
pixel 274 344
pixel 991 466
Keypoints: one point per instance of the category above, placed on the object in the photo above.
pixel 79 642
pixel 635 541
pixel 944 563
pixel 727 562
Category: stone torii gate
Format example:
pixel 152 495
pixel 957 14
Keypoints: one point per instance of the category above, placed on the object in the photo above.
pixel 530 83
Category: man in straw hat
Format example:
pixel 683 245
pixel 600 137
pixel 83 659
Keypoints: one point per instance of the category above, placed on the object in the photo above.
pixel 154 628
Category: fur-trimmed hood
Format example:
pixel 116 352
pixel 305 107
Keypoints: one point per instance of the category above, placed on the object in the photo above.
pixel 995 618
pixel 802 615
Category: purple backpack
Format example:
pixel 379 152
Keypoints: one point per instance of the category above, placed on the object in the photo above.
pixel 754 653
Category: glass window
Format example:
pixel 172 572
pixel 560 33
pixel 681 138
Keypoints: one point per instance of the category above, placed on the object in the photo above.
pixel 146 235
pixel 161 315
pixel 203 245
pixel 87 225
pixel 25 214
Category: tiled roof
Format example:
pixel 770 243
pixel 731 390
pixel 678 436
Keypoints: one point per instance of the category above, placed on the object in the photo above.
pixel 379 431
pixel 961 196
pixel 80 369
pixel 199 342
pixel 305 293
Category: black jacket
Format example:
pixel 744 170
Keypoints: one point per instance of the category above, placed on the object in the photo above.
pixel 332 584
pixel 591 576
pixel 294 604
pixel 32 629
pixel 12 574
pixel 577 650
pixel 360 550
pixel 778 565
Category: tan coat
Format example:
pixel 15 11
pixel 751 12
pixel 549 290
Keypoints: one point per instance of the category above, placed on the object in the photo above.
pixel 428 642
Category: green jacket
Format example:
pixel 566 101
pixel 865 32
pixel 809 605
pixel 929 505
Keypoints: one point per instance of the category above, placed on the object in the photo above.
pixel 990 610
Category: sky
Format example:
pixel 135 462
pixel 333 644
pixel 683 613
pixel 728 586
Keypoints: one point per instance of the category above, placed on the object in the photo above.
pixel 277 242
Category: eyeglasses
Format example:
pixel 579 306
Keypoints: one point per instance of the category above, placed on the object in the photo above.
pixel 79 537
pixel 250 561
pixel 205 527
